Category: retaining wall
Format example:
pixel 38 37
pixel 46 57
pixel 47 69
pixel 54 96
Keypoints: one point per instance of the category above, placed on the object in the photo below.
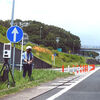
pixel 38 63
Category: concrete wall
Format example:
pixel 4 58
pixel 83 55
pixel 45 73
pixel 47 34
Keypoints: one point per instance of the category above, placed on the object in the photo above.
pixel 37 62
pixel 92 61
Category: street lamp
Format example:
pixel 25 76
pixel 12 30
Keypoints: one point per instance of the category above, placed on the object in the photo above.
pixel 40 31
pixel 57 40
pixel 73 45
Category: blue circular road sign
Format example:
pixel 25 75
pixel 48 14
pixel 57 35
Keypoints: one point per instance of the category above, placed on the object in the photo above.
pixel 14 34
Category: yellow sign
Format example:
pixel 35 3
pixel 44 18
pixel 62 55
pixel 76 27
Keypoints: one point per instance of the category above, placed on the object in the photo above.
pixel 69 51
pixel 52 57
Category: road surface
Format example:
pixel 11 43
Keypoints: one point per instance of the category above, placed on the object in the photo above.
pixel 88 89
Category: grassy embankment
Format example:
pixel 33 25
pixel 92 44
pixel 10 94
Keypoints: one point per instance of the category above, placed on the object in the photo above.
pixel 60 58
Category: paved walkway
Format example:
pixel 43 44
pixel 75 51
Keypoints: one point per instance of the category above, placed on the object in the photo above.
pixel 29 93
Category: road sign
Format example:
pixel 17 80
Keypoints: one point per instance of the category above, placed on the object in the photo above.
pixel 91 67
pixel 55 54
pixel 14 34
pixel 59 49
pixel 52 57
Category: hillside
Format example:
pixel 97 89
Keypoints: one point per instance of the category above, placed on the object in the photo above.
pixel 61 58
pixel 47 35
pixel 45 54
pixel 3 38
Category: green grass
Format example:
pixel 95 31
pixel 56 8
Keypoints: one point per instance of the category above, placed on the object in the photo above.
pixel 39 76
pixel 68 59
pixel 3 39
pixel 62 59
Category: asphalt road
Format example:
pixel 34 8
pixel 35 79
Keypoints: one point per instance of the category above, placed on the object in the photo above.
pixel 88 89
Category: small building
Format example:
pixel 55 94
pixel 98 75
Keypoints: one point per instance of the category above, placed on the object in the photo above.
pixel 21 24
pixel 25 38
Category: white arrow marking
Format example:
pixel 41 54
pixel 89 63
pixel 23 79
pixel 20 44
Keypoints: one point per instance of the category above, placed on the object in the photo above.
pixel 15 32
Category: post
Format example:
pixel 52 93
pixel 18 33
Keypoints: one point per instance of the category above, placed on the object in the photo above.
pixel 12 18
pixel 68 68
pixel 21 56
pixel 40 31
pixel 14 43
pixel 73 70
pixel 57 40
pixel 13 60
pixel 62 68
pixel 54 60
pixel 73 47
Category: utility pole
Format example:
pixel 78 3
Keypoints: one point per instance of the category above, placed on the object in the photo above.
pixel 40 32
pixel 73 45
pixel 57 40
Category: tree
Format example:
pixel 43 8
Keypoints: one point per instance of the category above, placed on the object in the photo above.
pixel 68 41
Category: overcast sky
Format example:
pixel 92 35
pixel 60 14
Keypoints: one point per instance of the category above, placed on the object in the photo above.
pixel 80 17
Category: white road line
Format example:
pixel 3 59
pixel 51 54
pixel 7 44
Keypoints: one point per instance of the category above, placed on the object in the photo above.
pixel 72 85
pixel 46 87
pixel 56 83
pixel 60 87
pixel 67 83
pixel 61 81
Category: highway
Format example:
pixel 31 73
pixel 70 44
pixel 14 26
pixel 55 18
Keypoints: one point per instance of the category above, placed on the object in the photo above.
pixel 88 89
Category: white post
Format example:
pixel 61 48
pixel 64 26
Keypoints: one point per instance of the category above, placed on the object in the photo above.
pixel 73 69
pixel 21 56
pixel 68 68
pixel 54 60
pixel 89 68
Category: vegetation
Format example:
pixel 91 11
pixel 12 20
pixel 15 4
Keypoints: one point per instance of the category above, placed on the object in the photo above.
pixel 5 23
pixel 68 42
pixel 60 59
pixel 45 54
pixel 89 53
pixel 3 38
pixel 39 76
pixel 46 35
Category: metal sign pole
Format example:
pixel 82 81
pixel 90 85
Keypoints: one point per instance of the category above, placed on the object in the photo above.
pixel 13 60
pixel 14 43
pixel 12 18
